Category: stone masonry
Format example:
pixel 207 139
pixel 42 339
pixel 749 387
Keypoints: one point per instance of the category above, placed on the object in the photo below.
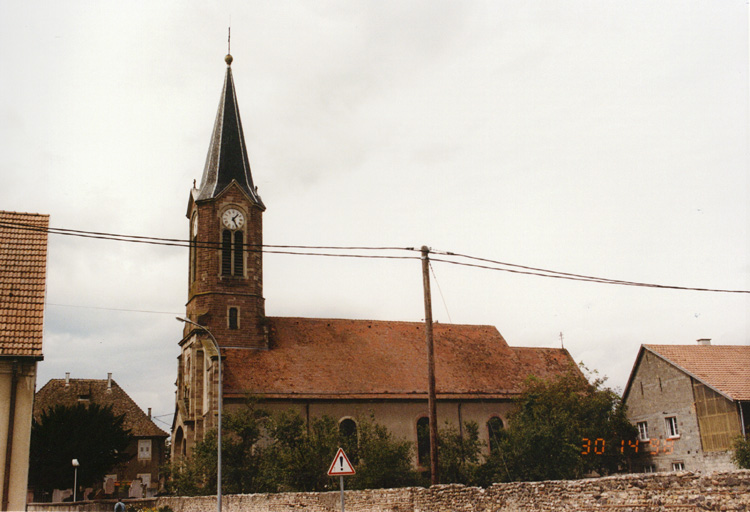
pixel 673 492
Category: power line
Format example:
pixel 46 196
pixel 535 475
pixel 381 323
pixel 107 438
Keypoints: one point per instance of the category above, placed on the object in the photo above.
pixel 311 250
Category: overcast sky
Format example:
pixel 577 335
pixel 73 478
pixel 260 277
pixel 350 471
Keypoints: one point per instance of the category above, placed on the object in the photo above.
pixel 601 137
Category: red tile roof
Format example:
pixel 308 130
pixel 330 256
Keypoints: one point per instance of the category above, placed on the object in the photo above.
pixel 23 270
pixel 334 358
pixel 57 392
pixel 725 368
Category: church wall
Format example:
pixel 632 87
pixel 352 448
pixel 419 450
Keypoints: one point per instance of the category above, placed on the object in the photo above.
pixel 399 416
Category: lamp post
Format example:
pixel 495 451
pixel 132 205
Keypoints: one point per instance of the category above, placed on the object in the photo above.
pixel 218 436
pixel 75 464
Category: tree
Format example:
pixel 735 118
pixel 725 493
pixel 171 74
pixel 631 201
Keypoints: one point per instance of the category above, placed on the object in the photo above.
pixel 263 453
pixel 564 427
pixel 382 461
pixel 458 453
pixel 741 455
pixel 300 453
pixel 92 434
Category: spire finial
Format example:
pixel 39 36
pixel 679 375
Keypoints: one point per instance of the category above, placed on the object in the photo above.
pixel 228 59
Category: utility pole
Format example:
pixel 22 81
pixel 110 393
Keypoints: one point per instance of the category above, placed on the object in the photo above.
pixel 431 402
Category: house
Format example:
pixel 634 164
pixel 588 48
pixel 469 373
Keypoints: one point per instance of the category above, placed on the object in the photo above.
pixel 140 477
pixel 689 402
pixel 342 368
pixel 23 272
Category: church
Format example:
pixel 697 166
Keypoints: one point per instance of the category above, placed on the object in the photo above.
pixel 346 369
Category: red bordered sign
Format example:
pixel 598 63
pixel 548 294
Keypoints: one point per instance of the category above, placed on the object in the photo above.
pixel 341 465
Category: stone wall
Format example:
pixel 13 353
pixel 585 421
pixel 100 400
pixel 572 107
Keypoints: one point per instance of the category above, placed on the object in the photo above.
pixel 674 492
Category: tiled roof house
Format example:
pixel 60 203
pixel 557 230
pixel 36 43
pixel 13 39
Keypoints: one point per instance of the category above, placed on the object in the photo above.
pixel 689 402
pixel 23 271
pixel 149 444
pixel 342 368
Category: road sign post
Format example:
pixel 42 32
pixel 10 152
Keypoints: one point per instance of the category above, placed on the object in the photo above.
pixel 341 467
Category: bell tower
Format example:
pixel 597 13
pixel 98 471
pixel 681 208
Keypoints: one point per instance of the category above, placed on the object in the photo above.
pixel 225 290
pixel 225 273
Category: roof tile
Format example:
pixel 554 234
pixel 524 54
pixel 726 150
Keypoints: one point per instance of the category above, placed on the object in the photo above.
pixel 56 392
pixel 312 357
pixel 721 367
pixel 23 270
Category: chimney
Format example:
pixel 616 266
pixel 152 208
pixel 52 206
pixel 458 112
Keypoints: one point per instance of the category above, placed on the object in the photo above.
pixel 704 341
pixel 149 413
pixel 67 378
pixel 109 381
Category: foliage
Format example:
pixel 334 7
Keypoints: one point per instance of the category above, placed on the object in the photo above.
pixel 300 453
pixel 383 461
pixel 262 453
pixel 458 453
pixel 92 434
pixel 545 438
pixel 741 455
pixel 241 459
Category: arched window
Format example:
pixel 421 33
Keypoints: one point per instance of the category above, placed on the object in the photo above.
pixel 349 440
pixel 226 253
pixel 239 261
pixel 423 441
pixel 193 247
pixel 494 432
pixel 232 253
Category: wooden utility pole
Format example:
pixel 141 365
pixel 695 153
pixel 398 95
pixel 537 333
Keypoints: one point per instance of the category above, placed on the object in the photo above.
pixel 431 402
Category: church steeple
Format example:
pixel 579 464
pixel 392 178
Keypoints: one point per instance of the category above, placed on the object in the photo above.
pixel 227 155
pixel 225 292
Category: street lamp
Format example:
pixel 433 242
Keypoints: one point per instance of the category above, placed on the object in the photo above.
pixel 75 478
pixel 218 436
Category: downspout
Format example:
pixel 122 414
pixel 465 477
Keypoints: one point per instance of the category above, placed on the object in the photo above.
pixel 11 426
pixel 742 420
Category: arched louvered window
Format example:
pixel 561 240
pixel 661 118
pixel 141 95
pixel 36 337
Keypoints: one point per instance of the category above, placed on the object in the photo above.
pixel 193 247
pixel 226 253
pixel 239 254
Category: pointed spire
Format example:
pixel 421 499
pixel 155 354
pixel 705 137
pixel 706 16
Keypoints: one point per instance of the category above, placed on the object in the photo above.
pixel 227 155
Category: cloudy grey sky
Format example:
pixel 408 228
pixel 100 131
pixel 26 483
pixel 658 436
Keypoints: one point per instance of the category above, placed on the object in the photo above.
pixel 603 137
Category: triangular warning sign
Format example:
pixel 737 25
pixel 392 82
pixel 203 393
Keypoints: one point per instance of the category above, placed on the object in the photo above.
pixel 340 465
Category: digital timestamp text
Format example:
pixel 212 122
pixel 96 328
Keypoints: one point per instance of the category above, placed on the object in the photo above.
pixel 653 446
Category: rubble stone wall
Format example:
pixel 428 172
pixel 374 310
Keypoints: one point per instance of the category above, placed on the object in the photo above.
pixel 674 492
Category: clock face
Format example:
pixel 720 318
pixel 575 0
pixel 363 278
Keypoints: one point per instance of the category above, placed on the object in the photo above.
pixel 233 219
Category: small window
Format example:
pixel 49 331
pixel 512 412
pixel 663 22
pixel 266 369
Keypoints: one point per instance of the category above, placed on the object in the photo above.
pixel 649 468
pixel 643 431
pixel 494 433
pixel 678 466
pixel 234 320
pixel 144 449
pixel 671 425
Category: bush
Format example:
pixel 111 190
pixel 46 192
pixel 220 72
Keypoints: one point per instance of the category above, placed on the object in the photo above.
pixel 741 455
